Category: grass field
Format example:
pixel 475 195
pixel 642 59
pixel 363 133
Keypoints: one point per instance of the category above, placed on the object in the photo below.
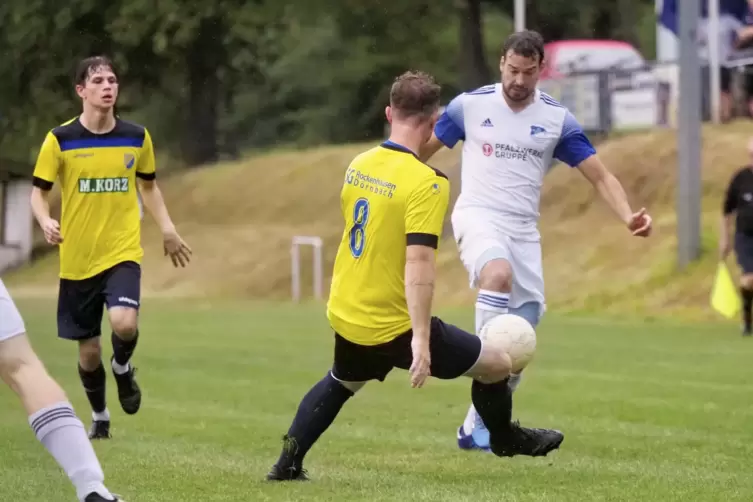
pixel 651 411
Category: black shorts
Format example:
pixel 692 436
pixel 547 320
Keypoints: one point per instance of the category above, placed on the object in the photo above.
pixel 81 303
pixel 453 353
pixel 744 252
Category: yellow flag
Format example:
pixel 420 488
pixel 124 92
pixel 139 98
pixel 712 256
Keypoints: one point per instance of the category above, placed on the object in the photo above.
pixel 724 296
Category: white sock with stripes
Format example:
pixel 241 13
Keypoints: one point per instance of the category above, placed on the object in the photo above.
pixel 60 431
pixel 489 304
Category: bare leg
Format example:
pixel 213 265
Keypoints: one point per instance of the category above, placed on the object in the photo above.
pixel 51 416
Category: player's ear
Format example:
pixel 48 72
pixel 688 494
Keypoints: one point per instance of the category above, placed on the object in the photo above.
pixel 388 114
pixel 80 91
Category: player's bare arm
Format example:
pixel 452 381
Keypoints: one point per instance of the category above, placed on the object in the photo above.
pixel 179 252
pixel 419 292
pixel 610 189
pixel 40 206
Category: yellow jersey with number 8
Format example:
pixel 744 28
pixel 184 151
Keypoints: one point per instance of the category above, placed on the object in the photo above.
pixel 389 200
pixel 101 216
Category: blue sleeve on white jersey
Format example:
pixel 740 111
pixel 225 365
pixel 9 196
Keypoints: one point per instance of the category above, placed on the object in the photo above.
pixel 573 146
pixel 450 127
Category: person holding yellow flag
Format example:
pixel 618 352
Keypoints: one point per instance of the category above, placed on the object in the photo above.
pixel 737 211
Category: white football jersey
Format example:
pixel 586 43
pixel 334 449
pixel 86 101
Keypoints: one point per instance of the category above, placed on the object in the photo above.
pixel 506 154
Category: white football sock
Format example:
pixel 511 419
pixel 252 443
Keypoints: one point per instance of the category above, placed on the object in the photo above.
pixel 101 417
pixel 120 369
pixel 60 431
pixel 489 304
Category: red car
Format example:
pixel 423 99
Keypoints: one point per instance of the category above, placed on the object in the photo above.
pixel 567 57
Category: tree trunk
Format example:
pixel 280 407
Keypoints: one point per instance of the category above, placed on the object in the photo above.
pixel 203 60
pixel 474 71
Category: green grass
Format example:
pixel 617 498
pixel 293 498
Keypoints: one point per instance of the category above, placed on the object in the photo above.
pixel 651 411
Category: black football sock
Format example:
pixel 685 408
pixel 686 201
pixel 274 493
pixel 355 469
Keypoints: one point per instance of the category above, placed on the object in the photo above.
pixel 493 402
pixel 316 412
pixel 747 295
pixel 94 385
pixel 123 349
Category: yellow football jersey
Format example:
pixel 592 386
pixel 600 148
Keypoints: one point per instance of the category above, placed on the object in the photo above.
pixel 389 200
pixel 100 220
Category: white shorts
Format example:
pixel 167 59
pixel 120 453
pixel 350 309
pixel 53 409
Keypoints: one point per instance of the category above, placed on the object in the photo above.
pixel 481 241
pixel 11 323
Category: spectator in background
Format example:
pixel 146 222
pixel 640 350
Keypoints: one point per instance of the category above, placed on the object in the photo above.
pixel 738 209
pixel 733 35
pixel 745 41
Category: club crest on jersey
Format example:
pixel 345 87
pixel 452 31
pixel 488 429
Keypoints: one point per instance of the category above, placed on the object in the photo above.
pixel 129 160
pixel 537 130
pixel 435 189
pixel 539 134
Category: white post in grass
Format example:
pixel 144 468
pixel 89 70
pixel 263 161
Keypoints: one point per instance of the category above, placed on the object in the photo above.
pixel 520 15
pixel 714 64
pixel 295 262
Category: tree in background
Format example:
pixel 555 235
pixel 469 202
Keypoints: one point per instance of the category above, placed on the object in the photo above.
pixel 212 79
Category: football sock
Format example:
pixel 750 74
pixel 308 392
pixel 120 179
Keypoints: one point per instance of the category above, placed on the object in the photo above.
pixel 94 385
pixel 122 351
pixel 470 420
pixel 514 381
pixel 316 412
pixel 747 295
pixel 493 402
pixel 489 304
pixel 60 431
pixel 103 416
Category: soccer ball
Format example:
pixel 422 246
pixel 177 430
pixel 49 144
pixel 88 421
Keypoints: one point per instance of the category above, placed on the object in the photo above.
pixel 514 335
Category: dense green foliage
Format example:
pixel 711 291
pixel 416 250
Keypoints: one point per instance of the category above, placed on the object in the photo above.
pixel 211 79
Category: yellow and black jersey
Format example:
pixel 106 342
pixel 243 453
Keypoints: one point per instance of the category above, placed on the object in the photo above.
pixel 100 221
pixel 389 200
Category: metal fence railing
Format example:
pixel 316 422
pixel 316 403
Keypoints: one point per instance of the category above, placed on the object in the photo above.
pixel 617 100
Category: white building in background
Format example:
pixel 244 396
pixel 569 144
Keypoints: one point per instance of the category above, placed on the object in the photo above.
pixel 16 219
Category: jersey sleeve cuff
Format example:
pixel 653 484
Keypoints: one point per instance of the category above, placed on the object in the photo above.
pixel 421 239
pixel 146 176
pixel 42 184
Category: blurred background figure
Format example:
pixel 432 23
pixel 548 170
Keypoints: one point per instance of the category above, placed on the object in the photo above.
pixel 737 232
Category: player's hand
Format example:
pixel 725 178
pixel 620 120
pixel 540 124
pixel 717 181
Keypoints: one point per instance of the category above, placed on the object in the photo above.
pixel 51 229
pixel 640 223
pixel 420 369
pixel 178 250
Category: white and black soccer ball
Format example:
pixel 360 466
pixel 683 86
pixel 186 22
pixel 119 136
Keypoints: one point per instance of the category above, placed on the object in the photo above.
pixel 514 335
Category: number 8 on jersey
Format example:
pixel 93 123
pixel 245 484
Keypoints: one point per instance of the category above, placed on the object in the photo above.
pixel 358 232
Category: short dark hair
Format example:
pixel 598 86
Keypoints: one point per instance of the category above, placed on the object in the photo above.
pixel 526 43
pixel 415 94
pixel 89 65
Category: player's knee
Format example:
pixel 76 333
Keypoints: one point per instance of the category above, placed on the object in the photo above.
pixel 496 365
pixel 10 366
pixel 17 359
pixel 496 276
pixel 90 354
pixel 124 322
